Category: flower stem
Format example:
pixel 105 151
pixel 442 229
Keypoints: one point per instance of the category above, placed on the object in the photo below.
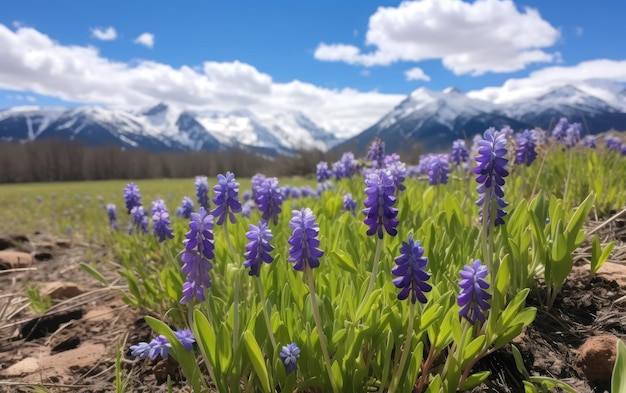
pixel 308 273
pixel 405 351
pixel 266 314
pixel 235 288
pixel 370 286
pixel 489 210
pixel 432 354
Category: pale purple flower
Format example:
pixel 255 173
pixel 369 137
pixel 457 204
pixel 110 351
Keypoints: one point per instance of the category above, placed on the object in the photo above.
pixel 304 240
pixel 290 354
pixel 258 248
pixel 132 197
pixel 379 204
pixel 226 202
pixel 202 191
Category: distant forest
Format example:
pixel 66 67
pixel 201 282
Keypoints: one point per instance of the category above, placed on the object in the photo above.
pixel 55 160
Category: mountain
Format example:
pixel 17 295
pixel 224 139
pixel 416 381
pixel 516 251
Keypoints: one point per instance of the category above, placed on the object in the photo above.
pixel 435 119
pixel 163 128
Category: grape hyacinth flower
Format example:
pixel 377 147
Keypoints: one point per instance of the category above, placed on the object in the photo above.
pixel 397 170
pixel 304 242
pixel 589 141
pixel 346 167
pixel 437 168
pixel 322 172
pixel 139 219
pixel 460 152
pixel 197 255
pixel 132 196
pixel 161 224
pixel 112 213
pixel 186 208
pixel 572 134
pixel 379 204
pixel 289 354
pixel 559 132
pixel 161 346
pixel 526 144
pixel 473 297
pixel 202 191
pixel 612 142
pixel 258 248
pixel 376 153
pixel 246 208
pixel 410 270
pixel 186 337
pixel 157 205
pixel 491 172
pixel 226 202
pixel 349 204
pixel 269 199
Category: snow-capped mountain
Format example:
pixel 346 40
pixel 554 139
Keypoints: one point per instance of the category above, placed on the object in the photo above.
pixel 162 128
pixel 435 119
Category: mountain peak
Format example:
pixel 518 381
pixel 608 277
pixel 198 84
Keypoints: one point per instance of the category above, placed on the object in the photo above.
pixel 155 110
pixel 452 90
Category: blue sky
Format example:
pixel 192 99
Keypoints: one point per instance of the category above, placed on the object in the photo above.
pixel 293 55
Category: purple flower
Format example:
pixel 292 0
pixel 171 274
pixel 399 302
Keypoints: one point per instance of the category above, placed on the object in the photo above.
pixel 526 144
pixel 437 168
pixel 304 242
pixel 346 166
pixel 491 172
pixel 197 255
pixel 473 297
pixel 226 203
pixel 269 199
pixel 112 213
pixel 161 224
pixel 397 170
pixel 186 208
pixel 613 142
pixel 349 204
pixel 246 208
pixel 572 134
pixel 589 141
pixel 322 172
pixel 157 205
pixel 131 196
pixel 290 354
pixel 186 337
pixel 258 248
pixel 379 204
pixel 247 195
pixel 202 191
pixel 460 152
pixel 410 270
pixel 559 132
pixel 376 153
pixel 139 219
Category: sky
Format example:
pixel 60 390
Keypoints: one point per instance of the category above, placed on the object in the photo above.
pixel 342 63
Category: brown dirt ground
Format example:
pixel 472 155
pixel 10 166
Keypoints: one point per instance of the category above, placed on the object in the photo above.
pixel 72 347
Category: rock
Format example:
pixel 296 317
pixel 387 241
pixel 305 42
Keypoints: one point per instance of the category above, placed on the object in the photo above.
pixel 613 271
pixel 14 260
pixel 6 242
pixel 596 357
pixel 61 289
pixel 43 256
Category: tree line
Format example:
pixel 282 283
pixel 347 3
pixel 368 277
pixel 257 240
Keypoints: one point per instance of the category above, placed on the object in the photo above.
pixel 57 160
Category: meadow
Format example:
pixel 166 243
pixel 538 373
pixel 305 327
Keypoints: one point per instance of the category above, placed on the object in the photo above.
pixel 308 292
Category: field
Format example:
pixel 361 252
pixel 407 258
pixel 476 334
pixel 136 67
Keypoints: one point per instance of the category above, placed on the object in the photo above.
pixel 380 312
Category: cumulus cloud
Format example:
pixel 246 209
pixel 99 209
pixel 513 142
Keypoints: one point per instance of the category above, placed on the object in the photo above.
pixel 547 78
pixel 416 74
pixel 469 38
pixel 145 39
pixel 108 34
pixel 33 62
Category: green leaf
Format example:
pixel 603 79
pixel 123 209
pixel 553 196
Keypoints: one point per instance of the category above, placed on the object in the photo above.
pixel 577 220
pixel 474 380
pixel 598 255
pixel 256 357
pixel 415 364
pixel 344 261
pixel 435 385
pixel 618 379
pixel 336 370
pixel 205 336
pixel 473 348
pixel 94 273
pixel 519 362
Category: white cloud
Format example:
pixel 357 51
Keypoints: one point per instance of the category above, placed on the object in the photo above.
pixel 547 78
pixel 579 31
pixel 469 38
pixel 32 62
pixel 145 39
pixel 108 34
pixel 416 74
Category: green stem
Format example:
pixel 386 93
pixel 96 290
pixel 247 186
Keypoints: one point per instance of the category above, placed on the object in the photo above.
pixel 266 314
pixel 405 351
pixel 569 174
pixel 370 286
pixel 432 354
pixel 487 229
pixel 308 274
pixel 235 288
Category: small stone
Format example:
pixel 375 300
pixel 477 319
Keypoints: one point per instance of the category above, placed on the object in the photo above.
pixel 596 357
pixel 166 367
pixel 14 260
pixel 43 256
pixel 61 289
pixel 6 242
